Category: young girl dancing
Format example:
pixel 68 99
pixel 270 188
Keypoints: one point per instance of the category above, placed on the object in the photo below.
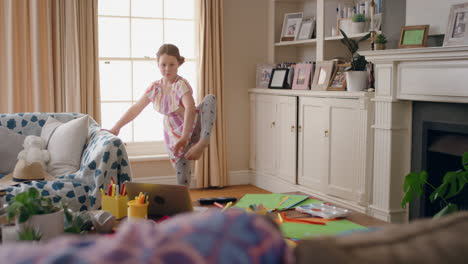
pixel 186 128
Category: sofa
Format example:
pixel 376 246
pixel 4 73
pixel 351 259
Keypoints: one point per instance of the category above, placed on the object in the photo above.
pixel 443 240
pixel 103 157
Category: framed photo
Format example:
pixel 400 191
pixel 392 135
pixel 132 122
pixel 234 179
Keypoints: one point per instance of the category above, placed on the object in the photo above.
pixel 323 74
pixel 264 74
pixel 457 27
pixel 302 76
pixel 307 29
pixel 413 36
pixel 279 78
pixel 291 25
pixel 338 81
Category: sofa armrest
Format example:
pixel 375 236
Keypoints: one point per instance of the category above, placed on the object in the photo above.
pixel 105 157
pixel 423 241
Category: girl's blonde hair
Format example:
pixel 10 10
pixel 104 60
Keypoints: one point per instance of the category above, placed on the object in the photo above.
pixel 171 50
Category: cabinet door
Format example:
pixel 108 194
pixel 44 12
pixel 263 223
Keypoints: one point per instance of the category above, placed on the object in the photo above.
pixel 343 134
pixel 312 156
pixel 265 133
pixel 286 150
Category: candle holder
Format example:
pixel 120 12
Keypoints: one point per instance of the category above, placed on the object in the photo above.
pixel 372 29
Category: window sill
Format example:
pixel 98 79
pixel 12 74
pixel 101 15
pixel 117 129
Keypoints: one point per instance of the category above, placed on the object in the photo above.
pixel 141 158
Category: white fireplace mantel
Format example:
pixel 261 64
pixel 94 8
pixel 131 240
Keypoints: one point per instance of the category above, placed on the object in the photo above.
pixel 402 76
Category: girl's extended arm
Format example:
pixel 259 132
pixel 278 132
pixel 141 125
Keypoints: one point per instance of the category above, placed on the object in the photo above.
pixel 131 113
pixel 189 117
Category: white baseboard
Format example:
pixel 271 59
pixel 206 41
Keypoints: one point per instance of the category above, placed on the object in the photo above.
pixel 239 177
pixel 163 180
pixel 235 178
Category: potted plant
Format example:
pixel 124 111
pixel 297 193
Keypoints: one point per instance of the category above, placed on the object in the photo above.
pixel 453 183
pixel 357 77
pixel 33 212
pixel 358 23
pixel 380 41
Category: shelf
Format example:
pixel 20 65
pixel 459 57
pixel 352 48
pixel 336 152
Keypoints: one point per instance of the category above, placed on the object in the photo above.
pixel 360 35
pixel 290 92
pixel 297 42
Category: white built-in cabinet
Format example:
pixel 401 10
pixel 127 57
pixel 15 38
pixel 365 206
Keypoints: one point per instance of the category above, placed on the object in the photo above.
pixel 319 141
pixel 275 133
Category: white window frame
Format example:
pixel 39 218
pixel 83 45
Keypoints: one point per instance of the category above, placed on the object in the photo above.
pixel 147 150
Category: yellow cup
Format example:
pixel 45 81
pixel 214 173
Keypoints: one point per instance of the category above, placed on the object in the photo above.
pixel 116 205
pixel 137 210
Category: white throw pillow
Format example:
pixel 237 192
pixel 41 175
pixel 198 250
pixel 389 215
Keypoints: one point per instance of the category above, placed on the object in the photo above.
pixel 65 142
pixel 11 143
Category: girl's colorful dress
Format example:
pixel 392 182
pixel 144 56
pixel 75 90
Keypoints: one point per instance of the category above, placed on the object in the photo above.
pixel 169 104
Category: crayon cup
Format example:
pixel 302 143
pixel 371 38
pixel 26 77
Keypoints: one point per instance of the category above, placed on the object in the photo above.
pixel 116 205
pixel 137 210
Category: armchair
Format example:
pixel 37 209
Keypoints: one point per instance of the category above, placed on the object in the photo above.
pixel 103 157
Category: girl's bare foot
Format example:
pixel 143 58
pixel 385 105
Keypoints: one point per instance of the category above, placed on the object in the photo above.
pixel 195 152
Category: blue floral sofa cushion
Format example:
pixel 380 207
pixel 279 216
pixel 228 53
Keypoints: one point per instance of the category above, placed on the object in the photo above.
pixel 104 157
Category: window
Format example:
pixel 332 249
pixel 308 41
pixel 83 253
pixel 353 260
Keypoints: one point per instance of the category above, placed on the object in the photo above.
pixel 130 33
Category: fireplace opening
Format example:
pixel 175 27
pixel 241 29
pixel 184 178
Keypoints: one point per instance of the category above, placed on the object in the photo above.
pixel 439 139
pixel 444 153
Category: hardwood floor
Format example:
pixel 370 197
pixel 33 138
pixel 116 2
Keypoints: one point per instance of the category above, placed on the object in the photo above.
pixel 240 190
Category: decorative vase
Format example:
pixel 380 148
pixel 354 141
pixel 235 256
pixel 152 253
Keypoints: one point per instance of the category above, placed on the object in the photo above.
pixel 357 81
pixel 49 225
pixel 379 46
pixel 357 27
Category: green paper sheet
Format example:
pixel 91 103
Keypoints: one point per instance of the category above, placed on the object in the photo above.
pixel 272 200
pixel 302 231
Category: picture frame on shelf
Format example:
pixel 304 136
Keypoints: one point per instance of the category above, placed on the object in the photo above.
pixel 263 75
pixel 457 26
pixel 291 26
pixel 413 36
pixel 338 81
pixel 307 29
pixel 279 78
pixel 302 76
pixel 322 75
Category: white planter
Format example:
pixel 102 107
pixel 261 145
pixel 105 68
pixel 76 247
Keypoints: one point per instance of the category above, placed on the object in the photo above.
pixel 345 25
pixel 50 225
pixel 357 81
pixel 357 27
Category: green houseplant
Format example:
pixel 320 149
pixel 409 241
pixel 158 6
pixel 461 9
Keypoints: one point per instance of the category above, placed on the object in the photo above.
pixel 380 41
pixel 358 23
pixel 33 211
pixel 453 183
pixel 357 76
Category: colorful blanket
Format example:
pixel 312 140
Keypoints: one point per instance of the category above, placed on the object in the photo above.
pixel 210 237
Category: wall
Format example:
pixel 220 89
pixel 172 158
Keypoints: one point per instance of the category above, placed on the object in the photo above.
pixel 245 42
pixel 245 45
pixel 432 12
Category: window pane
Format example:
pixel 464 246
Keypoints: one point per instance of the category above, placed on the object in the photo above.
pixel 188 71
pixel 147 37
pixel 144 73
pixel 149 126
pixel 114 37
pixel 111 112
pixel 181 33
pixel 172 9
pixel 147 8
pixel 116 79
pixel 114 7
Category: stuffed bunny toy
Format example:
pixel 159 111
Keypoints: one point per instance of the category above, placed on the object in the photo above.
pixel 34 151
